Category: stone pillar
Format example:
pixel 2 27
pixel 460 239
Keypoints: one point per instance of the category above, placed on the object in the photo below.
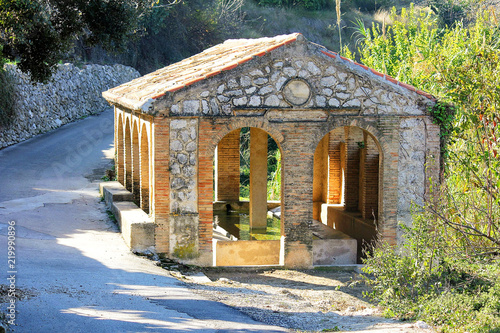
pixel 335 186
pixel 320 179
pixel 184 216
pixel 390 188
pixel 258 180
pixel 228 167
pixel 354 137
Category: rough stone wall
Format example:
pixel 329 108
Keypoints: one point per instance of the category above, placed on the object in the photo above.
pixel 71 93
pixel 418 161
pixel 184 188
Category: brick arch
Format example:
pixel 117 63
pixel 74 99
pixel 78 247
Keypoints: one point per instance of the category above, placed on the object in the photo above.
pixel 219 137
pixel 373 132
pixel 357 182
pixel 367 126
pixel 235 125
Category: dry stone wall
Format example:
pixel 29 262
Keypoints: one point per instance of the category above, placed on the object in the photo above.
pixel 72 93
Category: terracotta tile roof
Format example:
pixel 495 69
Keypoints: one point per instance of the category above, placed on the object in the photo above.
pixel 140 93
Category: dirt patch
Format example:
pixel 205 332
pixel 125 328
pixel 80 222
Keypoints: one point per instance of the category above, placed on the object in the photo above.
pixel 319 300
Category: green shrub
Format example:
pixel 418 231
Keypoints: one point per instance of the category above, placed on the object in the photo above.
pixel 372 5
pixel 307 4
pixel 429 280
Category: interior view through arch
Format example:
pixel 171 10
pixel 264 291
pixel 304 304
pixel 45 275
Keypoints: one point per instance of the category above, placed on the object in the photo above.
pixel 247 199
pixel 345 195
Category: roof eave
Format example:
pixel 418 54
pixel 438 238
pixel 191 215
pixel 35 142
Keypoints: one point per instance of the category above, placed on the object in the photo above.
pixel 133 105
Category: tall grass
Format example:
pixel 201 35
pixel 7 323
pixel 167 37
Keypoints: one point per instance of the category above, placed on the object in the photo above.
pixel 274 182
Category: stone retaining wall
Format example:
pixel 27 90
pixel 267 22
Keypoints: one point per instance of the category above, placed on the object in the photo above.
pixel 72 93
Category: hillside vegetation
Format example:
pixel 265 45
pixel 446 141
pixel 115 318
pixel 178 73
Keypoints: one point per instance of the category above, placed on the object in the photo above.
pixel 170 34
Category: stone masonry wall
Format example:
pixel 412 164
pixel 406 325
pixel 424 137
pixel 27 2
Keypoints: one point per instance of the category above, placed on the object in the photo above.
pixel 183 188
pixel 255 86
pixel 72 93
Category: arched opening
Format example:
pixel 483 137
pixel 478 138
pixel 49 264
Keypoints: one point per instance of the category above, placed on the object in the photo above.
pixel 120 151
pixel 145 164
pixel 345 193
pixel 247 199
pixel 136 165
pixel 128 156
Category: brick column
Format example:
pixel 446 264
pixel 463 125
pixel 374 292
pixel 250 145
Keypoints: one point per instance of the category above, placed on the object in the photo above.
pixel 161 183
pixel 119 146
pixel 297 194
pixel 388 212
pixel 205 187
pixel 320 179
pixel 144 156
pixel 369 168
pixel 258 180
pixel 354 135
pixel 335 185
pixel 228 167
pixel 136 164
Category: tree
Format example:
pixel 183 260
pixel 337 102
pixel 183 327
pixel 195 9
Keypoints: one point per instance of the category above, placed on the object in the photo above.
pixel 38 33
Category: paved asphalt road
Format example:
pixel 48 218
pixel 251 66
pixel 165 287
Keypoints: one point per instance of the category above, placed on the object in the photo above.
pixel 71 263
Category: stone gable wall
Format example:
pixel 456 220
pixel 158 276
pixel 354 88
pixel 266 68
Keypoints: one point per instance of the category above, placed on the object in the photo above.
pixel 335 84
pixel 71 94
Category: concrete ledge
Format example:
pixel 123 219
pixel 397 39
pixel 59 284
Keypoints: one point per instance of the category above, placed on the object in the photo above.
pixel 137 229
pixel 114 192
pixel 334 252
pixel 333 247
pixel 247 253
pixel 351 224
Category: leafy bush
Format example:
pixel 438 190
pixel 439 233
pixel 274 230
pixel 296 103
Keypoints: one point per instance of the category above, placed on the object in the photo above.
pixel 7 111
pixel 450 11
pixel 372 5
pixel 307 4
pixel 427 280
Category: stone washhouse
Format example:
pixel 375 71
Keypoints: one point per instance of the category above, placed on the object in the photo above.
pixel 357 148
